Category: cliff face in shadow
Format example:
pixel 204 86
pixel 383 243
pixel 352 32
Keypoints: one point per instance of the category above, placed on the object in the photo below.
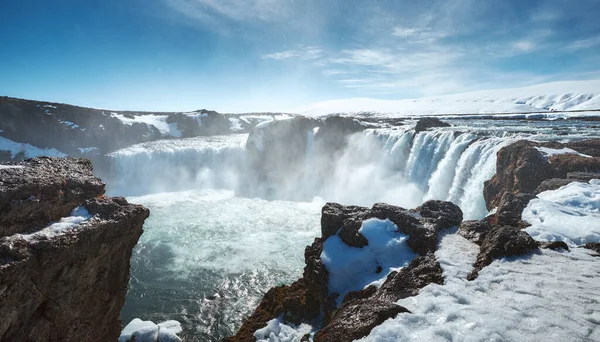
pixel 65 251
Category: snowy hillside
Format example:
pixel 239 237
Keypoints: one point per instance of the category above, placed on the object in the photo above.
pixel 556 96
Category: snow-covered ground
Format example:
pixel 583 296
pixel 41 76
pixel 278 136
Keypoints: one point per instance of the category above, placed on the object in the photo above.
pixel 555 96
pixel 158 121
pixel 549 296
pixel 570 214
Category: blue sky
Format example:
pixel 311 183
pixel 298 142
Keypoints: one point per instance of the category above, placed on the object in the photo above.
pixel 259 55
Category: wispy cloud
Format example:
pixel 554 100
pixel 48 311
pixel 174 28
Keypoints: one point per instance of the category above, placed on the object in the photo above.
pixel 306 53
pixel 584 44
pixel 206 10
pixel 416 35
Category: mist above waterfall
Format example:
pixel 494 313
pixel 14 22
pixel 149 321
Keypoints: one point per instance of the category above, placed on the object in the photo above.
pixel 300 160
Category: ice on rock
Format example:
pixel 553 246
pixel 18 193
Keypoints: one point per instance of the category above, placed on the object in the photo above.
pixel 147 331
pixel 277 331
pixel 353 269
pixel 570 214
pixel 549 152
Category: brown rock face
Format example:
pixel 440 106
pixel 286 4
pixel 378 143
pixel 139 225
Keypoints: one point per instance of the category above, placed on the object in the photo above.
pixel 68 285
pixel 474 231
pixel 356 319
pixel 501 242
pixel 521 168
pixel 510 209
pixel 427 123
pixel 43 190
pixel 291 301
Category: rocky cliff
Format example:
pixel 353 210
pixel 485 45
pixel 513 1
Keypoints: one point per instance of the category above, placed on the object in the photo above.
pixel 64 252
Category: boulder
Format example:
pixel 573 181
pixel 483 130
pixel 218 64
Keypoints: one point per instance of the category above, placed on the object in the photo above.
pixel 356 319
pixel 427 123
pixel 474 230
pixel 510 209
pixel 502 241
pixel 555 245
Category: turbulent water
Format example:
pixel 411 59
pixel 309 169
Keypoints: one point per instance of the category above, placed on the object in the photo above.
pixel 207 256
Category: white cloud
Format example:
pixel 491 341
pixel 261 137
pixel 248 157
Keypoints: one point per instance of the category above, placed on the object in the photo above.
pixel 584 44
pixel 525 46
pixel 306 53
pixel 416 35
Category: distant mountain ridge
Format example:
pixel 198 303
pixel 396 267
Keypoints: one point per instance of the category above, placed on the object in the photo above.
pixel 554 96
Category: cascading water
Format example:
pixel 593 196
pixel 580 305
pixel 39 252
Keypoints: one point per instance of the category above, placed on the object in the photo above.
pixel 207 255
pixel 171 165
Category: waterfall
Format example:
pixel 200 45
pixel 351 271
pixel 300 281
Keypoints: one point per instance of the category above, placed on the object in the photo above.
pixel 171 165
pixel 396 166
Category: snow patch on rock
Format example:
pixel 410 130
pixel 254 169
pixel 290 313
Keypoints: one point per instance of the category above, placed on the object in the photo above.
pixel 147 331
pixel 570 214
pixel 353 269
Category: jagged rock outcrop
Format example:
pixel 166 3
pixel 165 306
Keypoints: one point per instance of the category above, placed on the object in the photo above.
pixel 510 209
pixel 595 246
pixel 521 167
pixel 474 230
pixel 360 311
pixel 356 319
pixel 44 190
pixel 64 282
pixel 555 245
pixel 427 123
pixel 502 241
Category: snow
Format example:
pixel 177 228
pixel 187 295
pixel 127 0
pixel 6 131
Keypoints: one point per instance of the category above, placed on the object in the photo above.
pixel 158 121
pixel 555 96
pixel 353 269
pixel 277 331
pixel 570 214
pixel 549 152
pixel 235 124
pixel 28 150
pixel 5 167
pixel 548 296
pixel 87 149
pixel 78 216
pixel 147 331
pixel 70 124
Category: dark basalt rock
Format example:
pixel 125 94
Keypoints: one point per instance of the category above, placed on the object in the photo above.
pixel 71 285
pixel 583 176
pixel 407 282
pixel 334 132
pixel 502 241
pixel 427 123
pixel 356 319
pixel 555 245
pixel 595 246
pixel 333 216
pixel 511 209
pixel 42 190
pixel 474 231
pixel 521 168
pixel 293 302
pixel 442 214
pixel 552 184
